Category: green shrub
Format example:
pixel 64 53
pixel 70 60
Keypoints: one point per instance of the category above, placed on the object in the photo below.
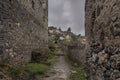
pixel 35 68
pixel 79 75
pixel 30 68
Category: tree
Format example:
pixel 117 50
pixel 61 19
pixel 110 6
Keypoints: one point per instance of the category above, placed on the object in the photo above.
pixel 59 28
pixel 69 29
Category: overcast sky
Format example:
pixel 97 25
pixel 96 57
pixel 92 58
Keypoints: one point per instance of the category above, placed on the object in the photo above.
pixel 67 13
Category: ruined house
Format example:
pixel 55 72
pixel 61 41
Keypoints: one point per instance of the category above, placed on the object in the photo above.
pixel 23 28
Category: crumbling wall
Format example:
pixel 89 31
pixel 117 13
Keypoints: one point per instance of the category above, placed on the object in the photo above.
pixel 76 54
pixel 23 28
pixel 103 39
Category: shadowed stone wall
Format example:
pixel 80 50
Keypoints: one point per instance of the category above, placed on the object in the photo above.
pixel 103 39
pixel 23 28
pixel 76 54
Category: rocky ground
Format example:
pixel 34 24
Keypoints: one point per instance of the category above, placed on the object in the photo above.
pixel 61 69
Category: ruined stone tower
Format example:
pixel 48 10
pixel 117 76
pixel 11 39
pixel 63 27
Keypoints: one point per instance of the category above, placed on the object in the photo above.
pixel 23 28
pixel 103 39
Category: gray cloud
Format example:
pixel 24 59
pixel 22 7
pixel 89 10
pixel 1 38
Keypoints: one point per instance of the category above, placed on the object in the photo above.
pixel 67 13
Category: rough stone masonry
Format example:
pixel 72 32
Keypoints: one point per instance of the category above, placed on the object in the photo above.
pixel 103 39
pixel 23 28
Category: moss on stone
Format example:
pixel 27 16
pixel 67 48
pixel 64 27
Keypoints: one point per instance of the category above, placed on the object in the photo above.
pixel 35 68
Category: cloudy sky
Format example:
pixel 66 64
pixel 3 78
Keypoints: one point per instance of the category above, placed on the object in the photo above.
pixel 67 13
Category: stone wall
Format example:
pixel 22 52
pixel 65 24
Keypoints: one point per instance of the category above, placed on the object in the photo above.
pixel 103 39
pixel 76 54
pixel 23 28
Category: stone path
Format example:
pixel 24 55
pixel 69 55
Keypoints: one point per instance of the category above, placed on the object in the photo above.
pixel 60 70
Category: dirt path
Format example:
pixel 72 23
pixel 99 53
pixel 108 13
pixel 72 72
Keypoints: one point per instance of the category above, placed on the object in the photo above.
pixel 60 70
